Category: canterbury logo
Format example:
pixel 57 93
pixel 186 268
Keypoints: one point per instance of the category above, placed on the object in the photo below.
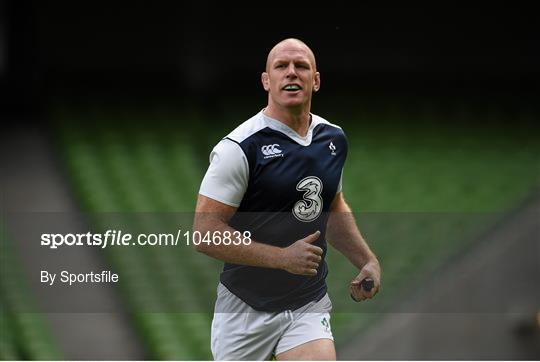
pixel 271 151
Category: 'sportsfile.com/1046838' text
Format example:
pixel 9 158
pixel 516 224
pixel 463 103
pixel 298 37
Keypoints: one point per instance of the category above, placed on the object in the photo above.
pixel 120 238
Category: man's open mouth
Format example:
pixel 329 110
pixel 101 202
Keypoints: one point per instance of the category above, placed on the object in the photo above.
pixel 292 87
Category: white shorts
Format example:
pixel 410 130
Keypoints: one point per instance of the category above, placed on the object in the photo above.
pixel 239 332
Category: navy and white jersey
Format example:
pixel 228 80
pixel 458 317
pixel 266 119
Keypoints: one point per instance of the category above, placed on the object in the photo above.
pixel 282 185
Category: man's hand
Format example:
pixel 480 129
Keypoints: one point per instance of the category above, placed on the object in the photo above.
pixel 371 270
pixel 302 257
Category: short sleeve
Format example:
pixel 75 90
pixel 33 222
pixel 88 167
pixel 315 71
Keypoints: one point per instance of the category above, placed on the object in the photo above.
pixel 227 176
pixel 340 185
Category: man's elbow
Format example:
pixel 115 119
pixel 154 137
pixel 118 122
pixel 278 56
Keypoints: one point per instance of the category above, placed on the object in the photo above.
pixel 203 228
pixel 199 245
pixel 198 229
pixel 203 248
pixel 199 241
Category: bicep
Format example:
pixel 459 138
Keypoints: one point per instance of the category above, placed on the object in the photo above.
pixel 207 207
pixel 339 204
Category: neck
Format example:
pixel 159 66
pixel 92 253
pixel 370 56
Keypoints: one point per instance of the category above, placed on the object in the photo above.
pixel 297 119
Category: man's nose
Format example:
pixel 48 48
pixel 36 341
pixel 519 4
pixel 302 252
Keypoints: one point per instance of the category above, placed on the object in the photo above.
pixel 291 70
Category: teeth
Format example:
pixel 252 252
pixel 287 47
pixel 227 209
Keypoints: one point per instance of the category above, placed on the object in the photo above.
pixel 292 87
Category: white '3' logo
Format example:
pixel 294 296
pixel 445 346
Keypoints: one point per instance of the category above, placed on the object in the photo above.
pixel 310 207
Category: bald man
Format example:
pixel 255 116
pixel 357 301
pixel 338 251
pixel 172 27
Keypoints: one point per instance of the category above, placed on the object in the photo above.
pixel 273 187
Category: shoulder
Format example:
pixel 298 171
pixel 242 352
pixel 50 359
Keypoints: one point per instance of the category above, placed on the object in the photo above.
pixel 319 121
pixel 226 149
pixel 247 129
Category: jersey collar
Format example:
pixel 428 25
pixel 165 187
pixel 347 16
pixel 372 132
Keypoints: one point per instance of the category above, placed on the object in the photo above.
pixel 288 131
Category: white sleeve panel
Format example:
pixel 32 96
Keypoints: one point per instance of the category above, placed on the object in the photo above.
pixel 340 183
pixel 227 176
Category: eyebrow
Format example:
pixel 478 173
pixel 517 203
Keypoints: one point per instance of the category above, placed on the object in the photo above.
pixel 283 60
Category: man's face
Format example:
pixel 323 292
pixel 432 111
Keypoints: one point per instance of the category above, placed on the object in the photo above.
pixel 290 76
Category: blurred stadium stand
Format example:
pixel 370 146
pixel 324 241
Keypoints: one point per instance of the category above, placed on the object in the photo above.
pixel 23 335
pixel 481 305
pixel 191 52
pixel 33 183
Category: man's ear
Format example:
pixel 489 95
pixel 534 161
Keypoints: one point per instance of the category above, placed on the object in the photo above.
pixel 317 82
pixel 265 79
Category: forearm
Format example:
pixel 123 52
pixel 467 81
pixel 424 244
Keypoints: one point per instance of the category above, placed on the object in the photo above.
pixel 212 216
pixel 343 234
pixel 255 254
